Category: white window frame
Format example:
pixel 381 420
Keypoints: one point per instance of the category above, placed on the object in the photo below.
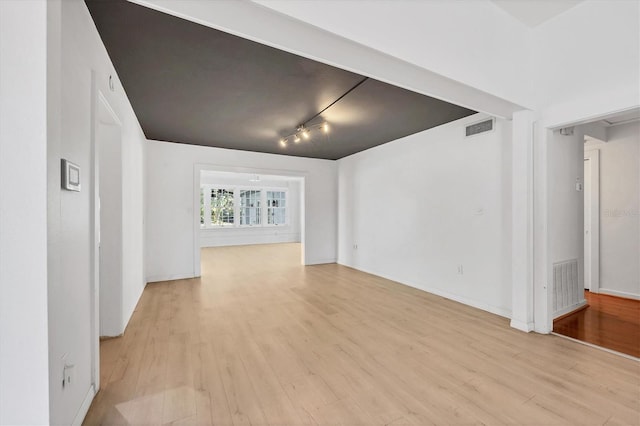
pixel 237 206
pixel 286 207
pixel 259 209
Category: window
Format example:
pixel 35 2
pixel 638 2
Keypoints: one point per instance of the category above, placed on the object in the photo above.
pixel 231 206
pixel 222 207
pixel 250 211
pixel 276 207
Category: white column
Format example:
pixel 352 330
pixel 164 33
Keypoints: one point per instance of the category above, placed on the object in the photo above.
pixel 522 222
pixel 24 336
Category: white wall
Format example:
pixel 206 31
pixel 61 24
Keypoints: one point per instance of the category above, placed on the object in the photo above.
pixel 170 218
pixel 268 234
pixel 620 210
pixel 24 386
pixel 566 207
pixel 587 61
pixel 71 62
pixel 109 147
pixel 133 208
pixel 567 204
pixel 420 206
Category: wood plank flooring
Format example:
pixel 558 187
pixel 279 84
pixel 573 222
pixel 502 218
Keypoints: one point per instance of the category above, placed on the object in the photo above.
pixel 609 321
pixel 261 340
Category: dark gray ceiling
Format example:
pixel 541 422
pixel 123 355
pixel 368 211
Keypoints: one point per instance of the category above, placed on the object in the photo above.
pixel 192 84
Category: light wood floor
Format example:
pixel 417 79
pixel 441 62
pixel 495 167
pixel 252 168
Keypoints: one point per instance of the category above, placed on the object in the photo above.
pixel 261 340
pixel 609 321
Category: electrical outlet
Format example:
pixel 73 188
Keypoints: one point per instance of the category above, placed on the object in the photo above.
pixel 460 270
pixel 355 247
pixel 67 372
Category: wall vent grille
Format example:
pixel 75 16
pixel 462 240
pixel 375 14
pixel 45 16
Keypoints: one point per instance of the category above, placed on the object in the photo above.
pixel 566 284
pixel 481 127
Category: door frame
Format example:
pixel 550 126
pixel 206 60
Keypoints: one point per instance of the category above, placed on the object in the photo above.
pixel 99 102
pixel 592 156
pixel 568 115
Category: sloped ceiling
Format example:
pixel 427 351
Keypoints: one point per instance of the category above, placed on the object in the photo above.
pixel 196 85
pixel 535 12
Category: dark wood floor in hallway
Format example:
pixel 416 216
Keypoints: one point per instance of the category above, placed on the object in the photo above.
pixel 262 340
pixel 609 321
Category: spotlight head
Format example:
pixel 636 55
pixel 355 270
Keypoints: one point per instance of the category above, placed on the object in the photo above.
pixel 325 127
pixel 283 143
pixel 296 138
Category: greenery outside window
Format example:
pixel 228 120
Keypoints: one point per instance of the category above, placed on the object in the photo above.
pixel 222 207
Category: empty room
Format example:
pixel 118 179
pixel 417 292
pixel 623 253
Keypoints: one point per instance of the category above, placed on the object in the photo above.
pixel 287 212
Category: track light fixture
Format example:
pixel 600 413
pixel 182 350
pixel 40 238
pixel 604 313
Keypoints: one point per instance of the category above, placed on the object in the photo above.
pixel 304 130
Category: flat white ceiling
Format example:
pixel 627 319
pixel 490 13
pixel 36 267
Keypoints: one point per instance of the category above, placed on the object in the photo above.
pixel 534 12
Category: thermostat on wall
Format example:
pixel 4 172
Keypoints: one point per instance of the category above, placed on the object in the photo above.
pixel 70 176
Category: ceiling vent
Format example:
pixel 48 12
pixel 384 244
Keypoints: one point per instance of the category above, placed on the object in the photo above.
pixel 481 127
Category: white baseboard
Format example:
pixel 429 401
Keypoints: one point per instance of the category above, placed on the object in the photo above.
pixel 171 277
pixel 320 261
pixel 542 329
pixel 456 298
pixel 569 309
pixel 84 408
pixel 619 293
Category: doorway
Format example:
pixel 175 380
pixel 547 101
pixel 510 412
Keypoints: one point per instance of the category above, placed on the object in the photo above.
pixel 240 206
pixel 611 237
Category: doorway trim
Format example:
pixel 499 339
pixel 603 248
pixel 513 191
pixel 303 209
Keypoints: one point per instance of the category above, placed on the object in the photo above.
pixel 99 103
pixel 197 168
pixel 593 158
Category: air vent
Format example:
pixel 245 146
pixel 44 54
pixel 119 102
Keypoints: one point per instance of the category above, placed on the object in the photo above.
pixel 481 127
pixel 566 286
